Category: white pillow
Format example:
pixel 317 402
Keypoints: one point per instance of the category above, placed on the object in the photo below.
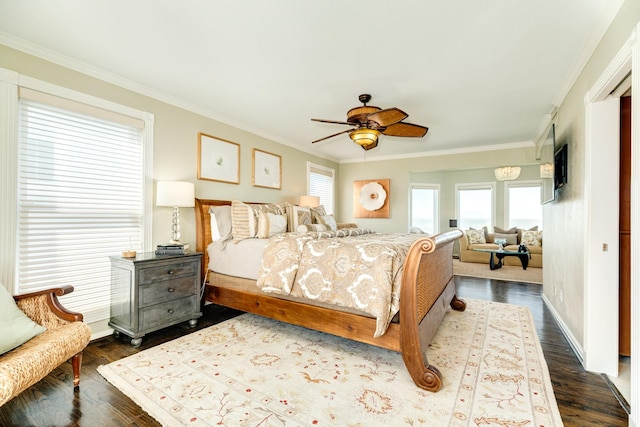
pixel 220 223
pixel 270 224
pixel 17 327
pixel 328 220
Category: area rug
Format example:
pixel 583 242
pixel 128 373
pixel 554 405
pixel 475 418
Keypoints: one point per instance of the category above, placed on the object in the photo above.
pixel 508 272
pixel 252 371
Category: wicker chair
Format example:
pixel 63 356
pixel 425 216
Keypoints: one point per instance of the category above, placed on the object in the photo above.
pixel 65 338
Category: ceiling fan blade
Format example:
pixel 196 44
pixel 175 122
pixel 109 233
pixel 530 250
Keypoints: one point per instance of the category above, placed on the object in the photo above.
pixel 406 130
pixel 388 117
pixel 331 136
pixel 332 121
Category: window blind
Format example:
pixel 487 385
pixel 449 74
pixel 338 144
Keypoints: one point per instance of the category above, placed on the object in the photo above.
pixel 321 185
pixel 80 199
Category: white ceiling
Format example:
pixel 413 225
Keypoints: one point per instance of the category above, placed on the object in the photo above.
pixel 476 72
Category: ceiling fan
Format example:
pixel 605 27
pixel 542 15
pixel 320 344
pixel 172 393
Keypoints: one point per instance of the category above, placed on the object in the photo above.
pixel 370 122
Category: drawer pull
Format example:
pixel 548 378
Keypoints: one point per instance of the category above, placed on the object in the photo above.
pixel 171 290
pixel 170 311
pixel 170 272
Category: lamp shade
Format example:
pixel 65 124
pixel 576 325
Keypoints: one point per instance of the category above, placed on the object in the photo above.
pixel 546 170
pixel 507 173
pixel 311 201
pixel 175 193
pixel 364 136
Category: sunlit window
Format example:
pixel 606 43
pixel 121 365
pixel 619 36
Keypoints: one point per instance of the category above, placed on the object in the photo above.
pixel 524 208
pixel 424 207
pixel 475 205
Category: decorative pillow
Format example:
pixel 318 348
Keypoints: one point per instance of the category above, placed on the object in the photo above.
pixel 220 223
pixel 520 230
pixel 512 230
pixel 328 220
pixel 305 228
pixel 484 229
pixel 475 236
pixel 531 238
pixel 270 224
pixel 316 213
pixel 244 221
pixel 300 215
pixel 244 218
pixel 17 327
pixel 512 239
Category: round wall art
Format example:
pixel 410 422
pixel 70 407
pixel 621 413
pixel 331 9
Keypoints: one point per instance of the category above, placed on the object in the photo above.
pixel 372 196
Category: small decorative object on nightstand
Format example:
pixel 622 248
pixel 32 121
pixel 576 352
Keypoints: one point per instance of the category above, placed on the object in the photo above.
pixel 152 292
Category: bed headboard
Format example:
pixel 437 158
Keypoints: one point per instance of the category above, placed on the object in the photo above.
pixel 203 228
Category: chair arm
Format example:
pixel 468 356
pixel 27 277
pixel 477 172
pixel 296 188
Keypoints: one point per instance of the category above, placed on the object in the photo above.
pixel 43 307
pixel 464 241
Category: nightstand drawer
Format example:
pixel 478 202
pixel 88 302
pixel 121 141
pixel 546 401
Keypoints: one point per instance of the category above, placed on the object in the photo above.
pixel 167 290
pixel 168 272
pixel 165 313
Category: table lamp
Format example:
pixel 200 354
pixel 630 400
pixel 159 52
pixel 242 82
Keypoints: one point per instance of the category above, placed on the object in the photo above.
pixel 177 194
pixel 311 201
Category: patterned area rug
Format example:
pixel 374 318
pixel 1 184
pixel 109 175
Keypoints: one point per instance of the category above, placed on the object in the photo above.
pixel 252 371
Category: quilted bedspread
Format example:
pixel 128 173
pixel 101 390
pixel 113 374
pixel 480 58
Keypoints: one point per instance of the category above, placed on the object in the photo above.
pixel 355 268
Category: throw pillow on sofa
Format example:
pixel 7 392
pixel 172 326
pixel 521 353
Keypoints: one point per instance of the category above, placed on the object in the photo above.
pixel 520 230
pixel 475 236
pixel 17 327
pixel 512 230
pixel 531 238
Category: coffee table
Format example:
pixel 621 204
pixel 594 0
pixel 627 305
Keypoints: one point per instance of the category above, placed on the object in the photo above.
pixel 501 253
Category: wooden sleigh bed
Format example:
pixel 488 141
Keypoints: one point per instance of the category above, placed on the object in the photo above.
pixel 427 290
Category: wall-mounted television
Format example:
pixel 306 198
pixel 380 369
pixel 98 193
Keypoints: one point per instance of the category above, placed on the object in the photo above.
pixel 547 165
pixel 560 172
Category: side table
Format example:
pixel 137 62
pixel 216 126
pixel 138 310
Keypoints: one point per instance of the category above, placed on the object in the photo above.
pixel 150 292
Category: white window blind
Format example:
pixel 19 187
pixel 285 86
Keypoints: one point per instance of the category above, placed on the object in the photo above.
pixel 80 199
pixel 321 183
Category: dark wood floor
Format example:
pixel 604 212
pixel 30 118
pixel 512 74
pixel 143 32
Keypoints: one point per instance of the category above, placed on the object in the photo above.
pixel 584 398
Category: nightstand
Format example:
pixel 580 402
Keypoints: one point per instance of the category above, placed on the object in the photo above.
pixel 150 292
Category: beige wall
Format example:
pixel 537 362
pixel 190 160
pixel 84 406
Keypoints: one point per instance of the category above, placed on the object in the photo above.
pixel 564 219
pixel 399 173
pixel 175 143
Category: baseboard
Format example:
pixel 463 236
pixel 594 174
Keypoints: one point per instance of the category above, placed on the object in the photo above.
pixel 573 342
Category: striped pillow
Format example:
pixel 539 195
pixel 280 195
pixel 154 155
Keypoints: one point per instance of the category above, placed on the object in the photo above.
pixel 244 218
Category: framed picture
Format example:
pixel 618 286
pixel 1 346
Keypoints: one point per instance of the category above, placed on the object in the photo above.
pixel 267 170
pixel 218 159
pixel 371 198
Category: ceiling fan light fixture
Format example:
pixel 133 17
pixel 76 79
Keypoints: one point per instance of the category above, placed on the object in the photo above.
pixel 364 136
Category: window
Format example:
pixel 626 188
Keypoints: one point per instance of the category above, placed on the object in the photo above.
pixel 81 178
pixel 424 207
pixel 475 205
pixel 523 205
pixel 320 182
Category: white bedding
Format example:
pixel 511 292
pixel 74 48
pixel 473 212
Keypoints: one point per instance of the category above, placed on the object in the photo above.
pixel 239 259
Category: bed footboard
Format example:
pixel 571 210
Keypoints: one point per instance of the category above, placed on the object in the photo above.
pixel 427 289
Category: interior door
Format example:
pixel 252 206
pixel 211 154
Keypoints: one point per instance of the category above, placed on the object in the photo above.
pixel 625 228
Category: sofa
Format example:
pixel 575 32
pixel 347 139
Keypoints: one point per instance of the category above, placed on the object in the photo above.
pixel 481 239
pixel 47 336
